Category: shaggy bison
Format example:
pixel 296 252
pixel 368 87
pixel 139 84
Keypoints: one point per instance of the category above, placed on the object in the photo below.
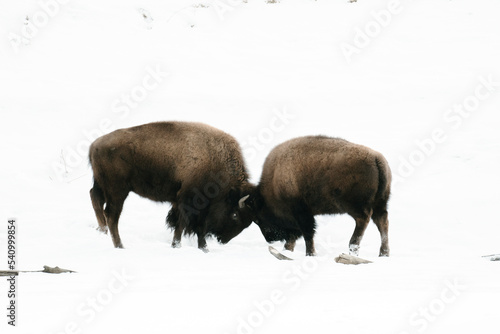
pixel 315 175
pixel 197 168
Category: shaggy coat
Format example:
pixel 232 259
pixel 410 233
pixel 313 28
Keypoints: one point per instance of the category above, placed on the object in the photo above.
pixel 197 168
pixel 316 175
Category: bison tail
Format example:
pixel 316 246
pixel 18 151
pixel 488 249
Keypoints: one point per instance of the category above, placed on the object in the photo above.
pixel 384 181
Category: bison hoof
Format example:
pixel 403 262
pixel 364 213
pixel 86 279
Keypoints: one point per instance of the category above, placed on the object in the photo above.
pixel 354 250
pixel 103 229
pixel 204 250
pixel 176 244
pixel 384 253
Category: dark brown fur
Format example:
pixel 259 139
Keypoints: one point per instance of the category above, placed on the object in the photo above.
pixel 310 176
pixel 197 168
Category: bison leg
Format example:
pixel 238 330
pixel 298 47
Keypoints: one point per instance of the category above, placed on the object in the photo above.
pixel 174 221
pixel 290 244
pixel 381 220
pixel 112 212
pixel 97 198
pixel 361 224
pixel 202 242
pixel 176 242
pixel 307 226
pixel 310 251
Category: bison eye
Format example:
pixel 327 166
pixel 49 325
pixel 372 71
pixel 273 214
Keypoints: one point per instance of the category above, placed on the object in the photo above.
pixel 234 216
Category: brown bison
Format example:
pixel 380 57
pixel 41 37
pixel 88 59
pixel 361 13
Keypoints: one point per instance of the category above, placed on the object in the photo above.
pixel 197 168
pixel 315 175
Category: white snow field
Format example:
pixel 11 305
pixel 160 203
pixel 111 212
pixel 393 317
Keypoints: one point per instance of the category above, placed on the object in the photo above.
pixel 418 81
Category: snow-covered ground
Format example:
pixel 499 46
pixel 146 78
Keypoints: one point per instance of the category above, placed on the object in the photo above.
pixel 418 81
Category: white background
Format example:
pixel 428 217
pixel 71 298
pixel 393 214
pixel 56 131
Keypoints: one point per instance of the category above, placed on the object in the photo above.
pixel 386 74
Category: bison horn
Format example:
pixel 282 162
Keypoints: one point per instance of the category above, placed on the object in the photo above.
pixel 241 202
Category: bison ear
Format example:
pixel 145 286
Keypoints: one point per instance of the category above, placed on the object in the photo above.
pixel 241 202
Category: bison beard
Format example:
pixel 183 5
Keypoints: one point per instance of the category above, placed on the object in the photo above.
pixel 309 176
pixel 197 168
pixel 198 214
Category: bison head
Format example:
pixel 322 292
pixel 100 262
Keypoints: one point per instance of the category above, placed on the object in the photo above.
pixel 273 226
pixel 226 219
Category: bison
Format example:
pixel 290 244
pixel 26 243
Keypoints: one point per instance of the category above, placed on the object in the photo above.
pixel 198 169
pixel 315 175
